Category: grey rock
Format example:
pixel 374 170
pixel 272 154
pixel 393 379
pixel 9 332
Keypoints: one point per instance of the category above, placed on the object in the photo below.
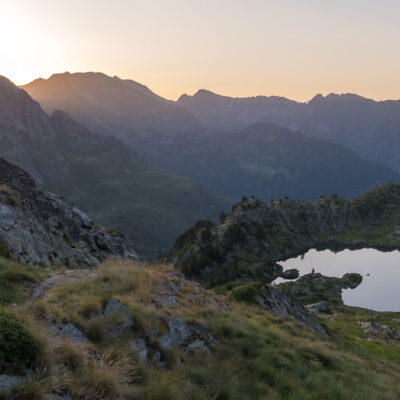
pixel 8 382
pixel 43 228
pixel 140 346
pixel 179 333
pixel 168 287
pixel 197 346
pixel 123 322
pixel 86 221
pixel 7 218
pixel 284 304
pixel 157 358
pixel 61 397
pixel 320 307
pixel 165 301
pixel 290 274
pixel 67 331
pixel 115 306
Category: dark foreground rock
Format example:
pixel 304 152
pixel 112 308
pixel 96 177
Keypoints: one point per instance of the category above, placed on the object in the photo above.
pixel 38 227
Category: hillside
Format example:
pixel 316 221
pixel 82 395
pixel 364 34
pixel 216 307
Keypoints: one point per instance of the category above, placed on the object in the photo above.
pixel 130 331
pixel 100 174
pixel 248 242
pixel 370 128
pixel 268 162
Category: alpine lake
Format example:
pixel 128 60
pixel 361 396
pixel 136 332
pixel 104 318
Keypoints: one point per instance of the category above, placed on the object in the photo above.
pixel 380 288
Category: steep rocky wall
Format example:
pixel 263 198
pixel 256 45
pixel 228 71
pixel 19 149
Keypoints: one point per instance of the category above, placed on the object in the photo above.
pixel 39 227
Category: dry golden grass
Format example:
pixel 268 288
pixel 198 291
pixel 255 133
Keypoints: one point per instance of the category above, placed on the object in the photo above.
pixel 106 378
pixel 36 387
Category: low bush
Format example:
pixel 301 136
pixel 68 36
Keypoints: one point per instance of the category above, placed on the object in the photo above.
pixel 17 346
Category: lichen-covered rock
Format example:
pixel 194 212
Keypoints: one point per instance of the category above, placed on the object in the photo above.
pixel 38 227
pixel 179 333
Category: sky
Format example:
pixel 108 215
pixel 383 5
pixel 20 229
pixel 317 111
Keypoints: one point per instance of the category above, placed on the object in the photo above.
pixel 291 48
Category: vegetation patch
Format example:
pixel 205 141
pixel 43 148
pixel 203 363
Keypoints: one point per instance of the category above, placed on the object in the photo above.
pixel 17 346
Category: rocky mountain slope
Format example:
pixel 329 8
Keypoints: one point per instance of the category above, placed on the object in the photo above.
pixel 110 105
pixel 370 128
pixel 39 227
pixel 268 162
pixel 100 174
pixel 248 242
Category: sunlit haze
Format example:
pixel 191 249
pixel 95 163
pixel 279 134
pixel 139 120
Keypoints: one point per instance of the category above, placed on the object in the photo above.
pixel 292 48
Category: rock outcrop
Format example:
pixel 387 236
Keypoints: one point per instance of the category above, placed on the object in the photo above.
pixel 38 227
pixel 247 243
pixel 286 305
pixel 316 289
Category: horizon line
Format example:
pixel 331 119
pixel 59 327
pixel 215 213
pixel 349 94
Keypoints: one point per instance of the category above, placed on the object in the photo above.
pixel 349 93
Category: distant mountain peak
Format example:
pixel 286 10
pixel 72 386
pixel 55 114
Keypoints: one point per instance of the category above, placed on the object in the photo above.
pixel 204 92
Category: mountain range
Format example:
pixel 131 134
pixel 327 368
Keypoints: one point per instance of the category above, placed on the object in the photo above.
pixel 100 174
pixel 370 128
pixel 152 167
pixel 219 142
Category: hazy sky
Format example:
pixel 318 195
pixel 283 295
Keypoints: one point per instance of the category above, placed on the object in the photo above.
pixel 293 48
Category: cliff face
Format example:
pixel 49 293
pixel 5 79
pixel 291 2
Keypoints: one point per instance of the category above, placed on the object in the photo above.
pixel 38 227
pixel 248 242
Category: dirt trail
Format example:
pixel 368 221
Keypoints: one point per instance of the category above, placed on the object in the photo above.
pixel 69 276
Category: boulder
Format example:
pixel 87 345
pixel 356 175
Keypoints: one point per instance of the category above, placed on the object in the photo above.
pixel 320 307
pixel 179 333
pixel 120 319
pixel 197 346
pixel 140 346
pixel 8 382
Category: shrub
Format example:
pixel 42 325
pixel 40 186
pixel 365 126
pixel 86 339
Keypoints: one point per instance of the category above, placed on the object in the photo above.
pixel 246 293
pixel 17 346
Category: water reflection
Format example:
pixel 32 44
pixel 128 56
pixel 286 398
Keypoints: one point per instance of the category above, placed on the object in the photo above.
pixel 380 271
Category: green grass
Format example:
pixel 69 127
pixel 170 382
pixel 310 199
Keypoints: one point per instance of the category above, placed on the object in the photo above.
pixel 15 279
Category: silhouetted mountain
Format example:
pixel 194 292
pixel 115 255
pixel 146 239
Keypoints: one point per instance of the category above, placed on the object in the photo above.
pixel 370 128
pixel 268 161
pixel 100 174
pixel 110 106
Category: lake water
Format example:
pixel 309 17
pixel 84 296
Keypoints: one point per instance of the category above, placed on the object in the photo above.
pixel 379 291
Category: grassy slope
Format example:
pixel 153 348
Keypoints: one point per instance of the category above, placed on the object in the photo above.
pixel 257 355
